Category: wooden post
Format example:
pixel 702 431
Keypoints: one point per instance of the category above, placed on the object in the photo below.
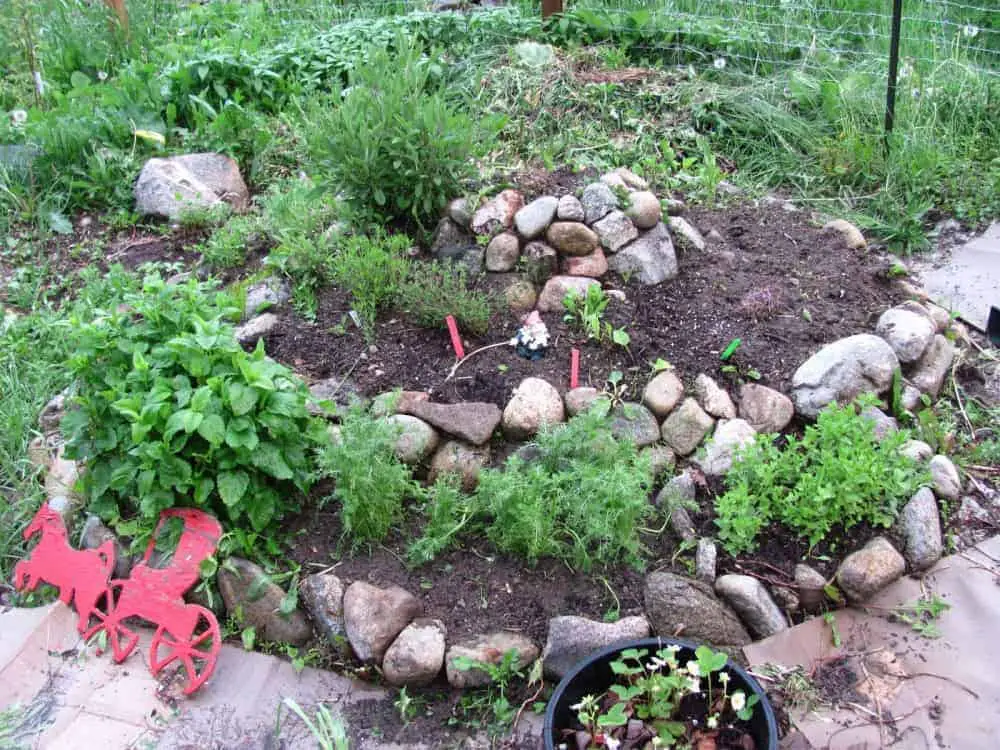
pixel 551 6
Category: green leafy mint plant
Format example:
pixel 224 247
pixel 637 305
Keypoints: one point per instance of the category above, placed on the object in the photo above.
pixel 837 474
pixel 587 313
pixel 170 411
pixel 649 688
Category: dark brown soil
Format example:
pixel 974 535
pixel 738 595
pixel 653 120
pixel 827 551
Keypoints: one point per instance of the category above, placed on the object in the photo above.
pixel 780 285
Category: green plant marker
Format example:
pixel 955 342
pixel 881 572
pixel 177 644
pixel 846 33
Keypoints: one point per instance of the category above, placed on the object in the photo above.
pixel 730 350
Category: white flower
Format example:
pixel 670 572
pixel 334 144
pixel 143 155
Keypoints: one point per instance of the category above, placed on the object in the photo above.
pixel 611 743
pixel 18 117
pixel 738 700
pixel 576 706
pixel 694 685
pixel 719 63
pixel 693 669
pixel 970 31
pixel 102 76
pixel 656 663
pixel 713 722
pixel 724 678
pixel 657 742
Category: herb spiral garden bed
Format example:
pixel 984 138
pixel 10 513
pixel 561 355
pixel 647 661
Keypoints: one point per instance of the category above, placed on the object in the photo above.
pixel 757 289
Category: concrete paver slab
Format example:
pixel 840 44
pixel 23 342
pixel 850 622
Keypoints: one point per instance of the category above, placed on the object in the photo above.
pixel 969 283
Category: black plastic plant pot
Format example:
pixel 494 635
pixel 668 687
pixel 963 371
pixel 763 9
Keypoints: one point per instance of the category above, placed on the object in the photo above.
pixel 593 676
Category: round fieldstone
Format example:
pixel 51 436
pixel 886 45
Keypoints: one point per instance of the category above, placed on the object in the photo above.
pixel 460 212
pixel 417 440
pixel 322 595
pixel 535 217
pixel 644 209
pixel 634 422
pixel 417 654
pixel 686 427
pixel 676 604
pixel 766 409
pixel 540 262
pixel 615 231
pixel 460 459
pixel 920 526
pixel 841 371
pixel 497 214
pixel 556 289
pixel 916 450
pixel 713 398
pixel 809 585
pixel 730 436
pixel 579 400
pixel 929 372
pixel 247 590
pixel 873 567
pixel 521 296
pixel 486 649
pixel 502 252
pixel 570 209
pixel 686 235
pixel 662 393
pixel 753 603
pixel 909 333
pixel 851 235
pixel 571 238
pixel 650 259
pixel 705 561
pixel 374 616
pixel 594 265
pixel 534 404
pixel 947 482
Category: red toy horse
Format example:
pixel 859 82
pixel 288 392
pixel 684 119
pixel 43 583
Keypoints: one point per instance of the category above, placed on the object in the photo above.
pixel 80 575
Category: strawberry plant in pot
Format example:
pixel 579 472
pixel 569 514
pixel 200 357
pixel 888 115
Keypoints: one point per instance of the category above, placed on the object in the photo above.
pixel 659 692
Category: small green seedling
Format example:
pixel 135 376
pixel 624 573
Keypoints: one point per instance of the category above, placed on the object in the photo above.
pixel 922 615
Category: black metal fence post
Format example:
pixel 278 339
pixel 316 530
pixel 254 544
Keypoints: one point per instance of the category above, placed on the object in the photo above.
pixel 890 93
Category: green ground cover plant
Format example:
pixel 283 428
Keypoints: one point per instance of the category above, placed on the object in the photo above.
pixel 169 410
pixel 433 290
pixel 372 268
pixel 837 475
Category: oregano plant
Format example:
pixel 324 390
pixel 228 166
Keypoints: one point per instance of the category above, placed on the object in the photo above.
pixel 170 411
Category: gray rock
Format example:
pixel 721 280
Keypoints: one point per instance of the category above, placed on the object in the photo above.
pixel 651 258
pixel 521 296
pixel 929 372
pixel 594 265
pixel 556 289
pixel 450 241
pixel 373 617
pixel 534 404
pixel 940 316
pixel 615 231
pixel 971 512
pixel 730 436
pixel 497 214
pixel 908 333
pixel 766 409
pixel 681 524
pixel 911 398
pixel 255 329
pixel 502 252
pixel 663 393
pixel 571 238
pixel 598 201
pixel 713 398
pixel 947 482
pixel 579 400
pixel 535 217
pixel 463 460
pixel 571 639
pixel 705 558
pixel 460 212
pixel 882 424
pixel 809 585
pixel 417 654
pixel 920 527
pixel 688 238
pixel 417 440
pixel 322 595
pixel 689 608
pixel 60 482
pixel 570 209
pixel 541 262
pixel 679 491
pixel 753 603
pixel 175 185
pixel 873 567
pixel 917 450
pixel 246 590
pixel 686 427
pixel 271 292
pixel 94 533
pixel 486 649
pixel 661 459
pixel 470 421
pixel 851 234
pixel 613 181
pixel 331 395
pixel 644 209
pixel 634 422
pixel 673 206
pixel 842 371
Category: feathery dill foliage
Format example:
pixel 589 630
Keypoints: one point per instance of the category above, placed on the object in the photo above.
pixel 837 474
pixel 370 483
pixel 583 500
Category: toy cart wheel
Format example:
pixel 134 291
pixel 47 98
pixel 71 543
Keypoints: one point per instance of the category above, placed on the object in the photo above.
pixel 106 616
pixel 197 652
